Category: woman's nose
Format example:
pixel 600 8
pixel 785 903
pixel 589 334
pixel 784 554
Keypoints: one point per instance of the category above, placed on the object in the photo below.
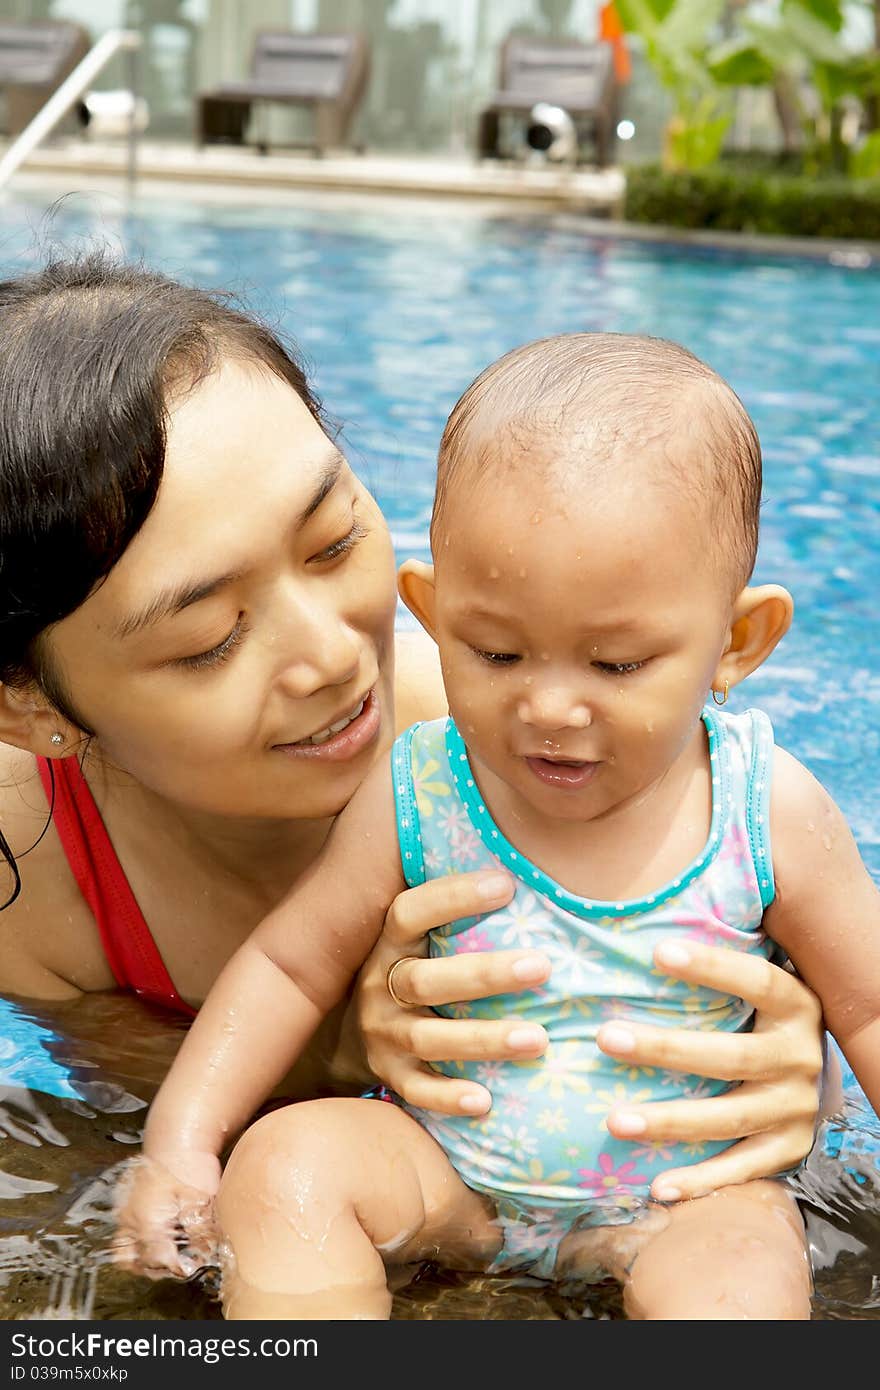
pixel 554 707
pixel 320 649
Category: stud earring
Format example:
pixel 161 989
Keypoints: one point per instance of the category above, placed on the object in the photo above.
pixel 56 739
pixel 725 692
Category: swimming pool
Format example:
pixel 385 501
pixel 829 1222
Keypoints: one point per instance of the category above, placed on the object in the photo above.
pixel 398 305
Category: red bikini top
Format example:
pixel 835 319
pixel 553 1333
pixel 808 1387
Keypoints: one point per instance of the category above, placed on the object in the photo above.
pixel 128 944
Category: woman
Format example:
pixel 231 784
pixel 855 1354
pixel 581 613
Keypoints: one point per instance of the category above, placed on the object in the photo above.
pixel 197 602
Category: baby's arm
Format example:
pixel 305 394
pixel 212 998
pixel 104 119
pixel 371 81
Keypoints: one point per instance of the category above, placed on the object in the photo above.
pixel 826 914
pixel 261 1012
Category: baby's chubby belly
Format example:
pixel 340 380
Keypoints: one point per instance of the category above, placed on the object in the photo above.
pixel 545 1136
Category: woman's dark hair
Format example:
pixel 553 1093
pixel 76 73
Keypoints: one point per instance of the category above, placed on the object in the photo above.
pixel 90 352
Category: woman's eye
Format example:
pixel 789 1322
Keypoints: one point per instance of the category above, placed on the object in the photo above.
pixel 343 545
pixel 619 668
pixel 217 654
pixel 496 658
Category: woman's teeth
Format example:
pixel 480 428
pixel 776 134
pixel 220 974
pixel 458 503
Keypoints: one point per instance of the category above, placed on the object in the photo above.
pixel 323 734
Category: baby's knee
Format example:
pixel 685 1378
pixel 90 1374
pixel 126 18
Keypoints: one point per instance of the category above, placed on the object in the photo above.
pixel 284 1154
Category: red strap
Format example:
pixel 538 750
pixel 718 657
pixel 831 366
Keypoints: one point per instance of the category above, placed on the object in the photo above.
pixel 128 944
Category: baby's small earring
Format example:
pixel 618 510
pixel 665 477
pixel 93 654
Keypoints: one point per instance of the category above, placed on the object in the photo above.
pixel 724 695
pixel 56 739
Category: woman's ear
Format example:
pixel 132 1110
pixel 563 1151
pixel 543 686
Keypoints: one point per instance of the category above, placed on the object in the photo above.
pixel 415 584
pixel 28 721
pixel 761 618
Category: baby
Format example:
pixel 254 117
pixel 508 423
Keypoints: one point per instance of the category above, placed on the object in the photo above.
pixel 594 533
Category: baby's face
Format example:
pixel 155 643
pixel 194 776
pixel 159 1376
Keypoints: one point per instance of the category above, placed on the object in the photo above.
pixel 579 636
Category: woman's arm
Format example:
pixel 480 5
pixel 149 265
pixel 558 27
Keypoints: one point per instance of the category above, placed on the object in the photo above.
pixel 773 1111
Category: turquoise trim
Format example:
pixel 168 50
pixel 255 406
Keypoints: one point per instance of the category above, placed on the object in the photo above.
pixel 535 878
pixel 758 804
pixel 409 829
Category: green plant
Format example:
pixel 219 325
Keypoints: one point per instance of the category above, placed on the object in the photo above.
pixel 675 34
pixel 729 198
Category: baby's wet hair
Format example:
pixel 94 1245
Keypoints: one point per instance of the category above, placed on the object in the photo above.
pixel 578 402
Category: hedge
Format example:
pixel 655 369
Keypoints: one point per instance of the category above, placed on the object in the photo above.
pixel 727 199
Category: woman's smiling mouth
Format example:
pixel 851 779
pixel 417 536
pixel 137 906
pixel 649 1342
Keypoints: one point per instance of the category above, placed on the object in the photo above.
pixel 343 738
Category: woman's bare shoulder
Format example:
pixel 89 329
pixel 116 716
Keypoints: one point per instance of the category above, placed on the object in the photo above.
pixel 49 946
pixel 419 683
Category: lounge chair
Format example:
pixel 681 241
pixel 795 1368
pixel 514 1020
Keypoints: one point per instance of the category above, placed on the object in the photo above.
pixel 325 72
pixel 35 58
pixel 577 76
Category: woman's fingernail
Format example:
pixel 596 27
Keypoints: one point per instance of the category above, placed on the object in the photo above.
pixel 675 956
pixel 628 1125
pixel 530 968
pixel 613 1037
pixel 666 1194
pixel 493 886
pixel 526 1038
pixel 475 1103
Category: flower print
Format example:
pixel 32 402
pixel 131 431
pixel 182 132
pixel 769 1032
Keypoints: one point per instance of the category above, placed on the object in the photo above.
pixel 570 1006
pixel 579 958
pixel 516 1105
pixel 520 920
pixel 433 861
pixel 630 1072
pixel 653 1151
pixel 694 1150
pixel 527 1238
pixel 552 1121
pixel 452 821
pixel 473 940
pixel 676 1080
pixel 615 1008
pixel 426 785
pixel 519 1143
pixel 700 1090
pixel 533 1174
pixel 489 1072
pixel 464 846
pixel 608 1181
pixel 734 847
pixel 562 1068
pixel 620 1095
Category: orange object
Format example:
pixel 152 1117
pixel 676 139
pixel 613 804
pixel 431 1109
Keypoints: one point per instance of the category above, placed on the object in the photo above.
pixel 611 31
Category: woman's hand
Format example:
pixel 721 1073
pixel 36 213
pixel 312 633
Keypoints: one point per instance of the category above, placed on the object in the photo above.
pixel 400 1041
pixel 164 1222
pixel 772 1113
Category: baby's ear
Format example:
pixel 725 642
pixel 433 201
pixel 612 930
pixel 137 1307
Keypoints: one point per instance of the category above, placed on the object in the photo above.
pixel 761 618
pixel 415 584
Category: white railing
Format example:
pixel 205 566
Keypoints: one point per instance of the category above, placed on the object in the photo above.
pixel 71 90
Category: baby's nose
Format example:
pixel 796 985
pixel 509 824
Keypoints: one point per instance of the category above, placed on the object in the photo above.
pixel 555 708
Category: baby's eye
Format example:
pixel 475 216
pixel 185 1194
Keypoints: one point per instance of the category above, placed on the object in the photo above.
pixel 496 658
pixel 619 668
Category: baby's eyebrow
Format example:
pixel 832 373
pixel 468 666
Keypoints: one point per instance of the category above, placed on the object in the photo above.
pixel 189 591
pixel 625 626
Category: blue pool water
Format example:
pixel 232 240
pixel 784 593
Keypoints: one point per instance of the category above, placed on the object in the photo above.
pixel 398 306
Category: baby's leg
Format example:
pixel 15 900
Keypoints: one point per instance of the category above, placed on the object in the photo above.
pixel 317 1196
pixel 740 1253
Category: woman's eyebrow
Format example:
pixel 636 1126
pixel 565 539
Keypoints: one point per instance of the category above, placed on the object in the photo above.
pixel 179 596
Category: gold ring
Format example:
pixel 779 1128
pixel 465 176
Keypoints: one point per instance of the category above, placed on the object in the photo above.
pixel 389 983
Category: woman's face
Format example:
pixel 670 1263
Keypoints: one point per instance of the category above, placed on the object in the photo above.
pixel 252 612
